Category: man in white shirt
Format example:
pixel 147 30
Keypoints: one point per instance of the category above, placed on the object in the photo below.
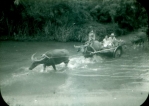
pixel 112 40
pixel 105 41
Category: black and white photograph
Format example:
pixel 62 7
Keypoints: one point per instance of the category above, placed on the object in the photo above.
pixel 74 52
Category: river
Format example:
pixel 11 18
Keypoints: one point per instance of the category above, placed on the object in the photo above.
pixel 83 77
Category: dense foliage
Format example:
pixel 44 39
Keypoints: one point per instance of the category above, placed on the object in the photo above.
pixel 69 20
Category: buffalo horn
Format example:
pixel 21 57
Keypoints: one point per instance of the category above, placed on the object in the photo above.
pixel 32 58
pixel 76 46
pixel 35 59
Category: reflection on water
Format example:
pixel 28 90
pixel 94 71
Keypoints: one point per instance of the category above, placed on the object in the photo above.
pixel 130 72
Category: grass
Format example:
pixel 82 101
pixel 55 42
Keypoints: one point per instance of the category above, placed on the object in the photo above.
pixel 72 33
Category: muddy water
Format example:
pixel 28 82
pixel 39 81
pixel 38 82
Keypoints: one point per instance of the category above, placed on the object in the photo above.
pixel 127 73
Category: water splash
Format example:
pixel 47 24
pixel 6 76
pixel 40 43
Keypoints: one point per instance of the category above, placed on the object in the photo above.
pixel 21 72
pixel 81 62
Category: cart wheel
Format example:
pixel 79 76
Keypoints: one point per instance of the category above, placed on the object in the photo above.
pixel 117 52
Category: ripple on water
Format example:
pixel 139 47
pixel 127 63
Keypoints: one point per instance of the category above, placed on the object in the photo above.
pixel 105 72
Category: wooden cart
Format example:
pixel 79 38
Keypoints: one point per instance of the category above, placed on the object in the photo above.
pixel 114 52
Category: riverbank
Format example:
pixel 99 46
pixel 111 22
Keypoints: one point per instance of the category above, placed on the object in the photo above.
pixel 74 33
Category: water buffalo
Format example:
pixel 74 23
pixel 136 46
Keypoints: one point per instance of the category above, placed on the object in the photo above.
pixel 139 39
pixel 86 50
pixel 51 58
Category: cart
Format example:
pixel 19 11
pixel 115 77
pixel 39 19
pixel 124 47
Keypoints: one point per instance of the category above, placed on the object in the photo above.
pixel 113 51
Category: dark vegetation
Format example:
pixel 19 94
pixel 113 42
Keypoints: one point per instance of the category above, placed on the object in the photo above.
pixel 69 20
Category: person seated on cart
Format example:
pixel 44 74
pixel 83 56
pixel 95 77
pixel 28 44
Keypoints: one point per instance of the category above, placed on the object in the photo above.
pixel 91 38
pixel 109 42
pixel 106 41
pixel 112 40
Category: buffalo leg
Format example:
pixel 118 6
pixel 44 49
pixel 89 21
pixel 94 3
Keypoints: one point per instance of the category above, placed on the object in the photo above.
pixel 54 67
pixel 66 62
pixel 44 67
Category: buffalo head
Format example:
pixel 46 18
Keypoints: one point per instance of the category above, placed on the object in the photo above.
pixel 85 50
pixel 88 49
pixel 36 62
